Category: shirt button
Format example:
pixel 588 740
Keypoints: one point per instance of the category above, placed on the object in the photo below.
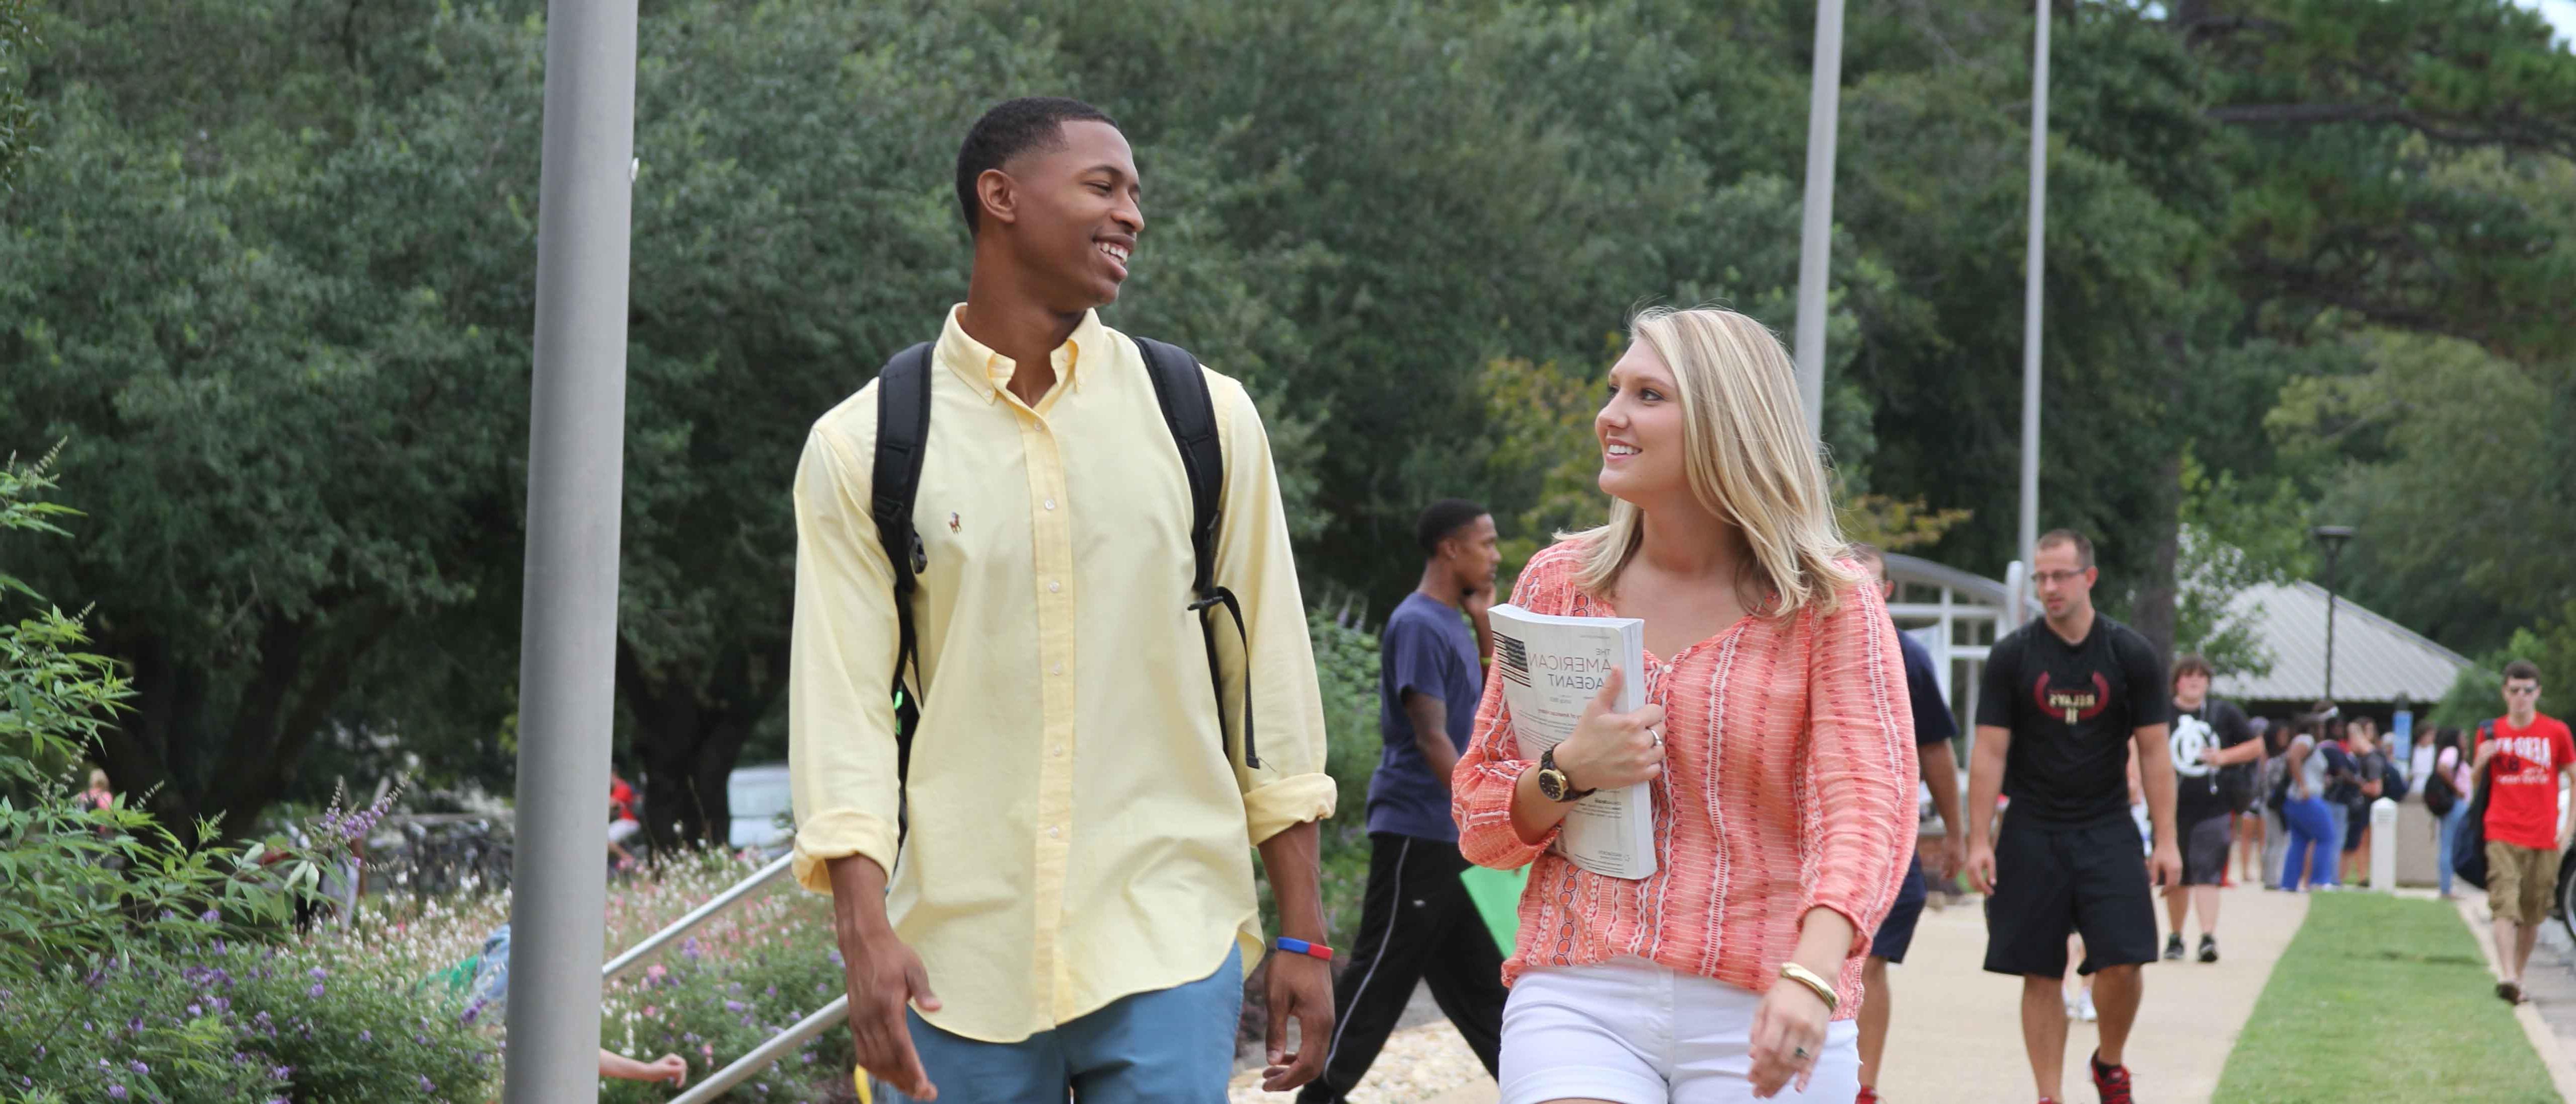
pixel 1053 586
pixel 1059 668
pixel 1050 504
pixel 1053 833
pixel 1059 751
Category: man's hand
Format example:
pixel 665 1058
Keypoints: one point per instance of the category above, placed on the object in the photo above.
pixel 1477 601
pixel 882 976
pixel 1943 857
pixel 1981 866
pixel 1301 988
pixel 2164 868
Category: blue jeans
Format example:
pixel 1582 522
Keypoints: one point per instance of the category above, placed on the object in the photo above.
pixel 2449 828
pixel 1171 1044
pixel 2316 844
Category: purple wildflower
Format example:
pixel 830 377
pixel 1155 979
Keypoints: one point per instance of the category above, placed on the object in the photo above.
pixel 733 1006
pixel 211 916
pixel 282 1072
pixel 366 1036
pixel 138 1067
pixel 195 1010
pixel 315 992
pixel 317 973
pixel 426 1085
pixel 116 1092
pixel 689 948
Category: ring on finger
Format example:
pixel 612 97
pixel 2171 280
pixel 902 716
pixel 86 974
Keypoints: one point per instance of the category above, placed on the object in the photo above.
pixel 1655 736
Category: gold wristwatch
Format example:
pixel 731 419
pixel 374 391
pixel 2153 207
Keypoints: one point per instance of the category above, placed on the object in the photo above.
pixel 1553 784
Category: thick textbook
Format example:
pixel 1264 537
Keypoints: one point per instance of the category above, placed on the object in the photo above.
pixel 1552 667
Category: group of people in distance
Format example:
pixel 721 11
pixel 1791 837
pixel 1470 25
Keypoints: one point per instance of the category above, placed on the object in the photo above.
pixel 1036 817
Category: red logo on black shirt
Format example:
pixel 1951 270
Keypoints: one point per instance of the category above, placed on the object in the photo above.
pixel 2074 704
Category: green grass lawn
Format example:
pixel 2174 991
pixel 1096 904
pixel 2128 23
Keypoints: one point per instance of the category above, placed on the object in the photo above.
pixel 2382 1000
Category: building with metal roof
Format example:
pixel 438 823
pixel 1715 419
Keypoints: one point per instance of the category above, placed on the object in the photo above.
pixel 2376 661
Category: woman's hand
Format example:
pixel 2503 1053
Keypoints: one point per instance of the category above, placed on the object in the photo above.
pixel 1610 750
pixel 1788 1037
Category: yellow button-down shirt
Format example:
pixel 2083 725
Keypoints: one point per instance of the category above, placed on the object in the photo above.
pixel 1080 830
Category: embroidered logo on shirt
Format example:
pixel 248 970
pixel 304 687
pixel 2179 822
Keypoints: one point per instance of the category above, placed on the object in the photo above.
pixel 2075 704
pixel 952 523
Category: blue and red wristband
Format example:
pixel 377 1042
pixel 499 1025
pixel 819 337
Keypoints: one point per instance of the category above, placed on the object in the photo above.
pixel 1300 946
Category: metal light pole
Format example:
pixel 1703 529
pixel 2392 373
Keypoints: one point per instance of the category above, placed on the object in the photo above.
pixel 1815 237
pixel 2331 538
pixel 576 455
pixel 2030 300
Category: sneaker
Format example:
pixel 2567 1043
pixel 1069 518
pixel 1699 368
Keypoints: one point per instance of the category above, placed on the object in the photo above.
pixel 2208 947
pixel 2173 947
pixel 2509 992
pixel 2084 1008
pixel 2111 1081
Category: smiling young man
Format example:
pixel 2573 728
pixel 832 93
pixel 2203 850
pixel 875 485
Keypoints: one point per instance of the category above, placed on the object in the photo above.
pixel 2066 699
pixel 1073 913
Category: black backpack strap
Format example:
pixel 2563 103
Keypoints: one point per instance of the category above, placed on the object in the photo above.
pixel 903 428
pixel 1181 387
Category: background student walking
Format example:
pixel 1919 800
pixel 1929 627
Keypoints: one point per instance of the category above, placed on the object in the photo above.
pixel 1417 923
pixel 2525 753
pixel 1934 729
pixel 2212 750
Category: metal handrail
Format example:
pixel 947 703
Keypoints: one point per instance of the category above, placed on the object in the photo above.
pixel 742 1069
pixel 714 907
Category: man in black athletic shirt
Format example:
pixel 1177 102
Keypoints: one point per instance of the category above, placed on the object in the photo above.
pixel 2065 698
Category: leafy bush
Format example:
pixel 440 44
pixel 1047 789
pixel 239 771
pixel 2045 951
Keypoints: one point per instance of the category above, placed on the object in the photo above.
pixel 231 1023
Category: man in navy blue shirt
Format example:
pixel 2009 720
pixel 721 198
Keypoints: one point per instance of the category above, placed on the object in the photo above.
pixel 1416 921
pixel 1934 728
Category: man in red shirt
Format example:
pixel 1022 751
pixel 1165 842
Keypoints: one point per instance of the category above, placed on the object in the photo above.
pixel 2528 752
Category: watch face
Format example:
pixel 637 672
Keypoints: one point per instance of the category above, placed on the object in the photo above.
pixel 1551 785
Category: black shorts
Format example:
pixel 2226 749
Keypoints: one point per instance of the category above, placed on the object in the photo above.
pixel 2051 882
pixel 1896 933
pixel 2204 850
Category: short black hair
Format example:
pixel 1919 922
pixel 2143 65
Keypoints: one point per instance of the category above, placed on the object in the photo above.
pixel 1441 519
pixel 2083 545
pixel 2522 669
pixel 1011 128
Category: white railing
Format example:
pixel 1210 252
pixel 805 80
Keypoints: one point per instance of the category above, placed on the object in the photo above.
pixel 714 907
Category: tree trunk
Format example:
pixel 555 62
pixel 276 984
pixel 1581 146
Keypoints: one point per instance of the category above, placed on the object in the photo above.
pixel 690 728
pixel 2154 613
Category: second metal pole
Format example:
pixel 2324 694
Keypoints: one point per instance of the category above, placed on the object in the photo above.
pixel 576 454
pixel 2028 534
pixel 1815 237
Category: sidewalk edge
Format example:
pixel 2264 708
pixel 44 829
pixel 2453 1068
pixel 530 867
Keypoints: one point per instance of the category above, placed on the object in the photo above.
pixel 2544 1042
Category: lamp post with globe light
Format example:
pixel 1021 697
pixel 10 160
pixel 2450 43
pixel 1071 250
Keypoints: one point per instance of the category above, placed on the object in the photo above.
pixel 2331 538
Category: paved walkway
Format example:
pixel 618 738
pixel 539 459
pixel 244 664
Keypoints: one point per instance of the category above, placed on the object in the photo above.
pixel 1957 1035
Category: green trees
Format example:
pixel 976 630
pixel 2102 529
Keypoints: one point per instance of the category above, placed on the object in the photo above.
pixel 271 279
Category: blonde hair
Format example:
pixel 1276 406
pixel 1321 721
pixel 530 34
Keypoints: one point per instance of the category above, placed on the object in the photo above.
pixel 97 779
pixel 1748 458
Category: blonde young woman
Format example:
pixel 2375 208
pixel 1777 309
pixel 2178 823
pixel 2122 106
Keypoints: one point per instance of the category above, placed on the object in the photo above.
pixel 1776 740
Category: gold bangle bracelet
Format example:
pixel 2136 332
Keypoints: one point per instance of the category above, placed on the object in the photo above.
pixel 1808 978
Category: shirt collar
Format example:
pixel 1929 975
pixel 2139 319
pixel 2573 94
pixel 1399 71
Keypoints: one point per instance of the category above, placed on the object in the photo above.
pixel 989 372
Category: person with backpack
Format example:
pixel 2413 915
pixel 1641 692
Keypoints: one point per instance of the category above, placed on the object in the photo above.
pixel 2446 796
pixel 2213 757
pixel 2314 841
pixel 2526 753
pixel 1043 594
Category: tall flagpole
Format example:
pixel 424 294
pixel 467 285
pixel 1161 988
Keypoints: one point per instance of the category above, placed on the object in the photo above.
pixel 1815 238
pixel 576 454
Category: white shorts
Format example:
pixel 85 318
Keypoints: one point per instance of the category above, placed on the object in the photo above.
pixel 1633 1032
pixel 620 831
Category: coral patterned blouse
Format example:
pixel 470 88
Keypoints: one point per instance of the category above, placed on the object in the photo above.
pixel 1789 781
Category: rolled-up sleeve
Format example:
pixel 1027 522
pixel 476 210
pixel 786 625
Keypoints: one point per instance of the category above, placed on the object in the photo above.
pixel 840 716
pixel 1253 559
pixel 1861 766
pixel 1487 776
